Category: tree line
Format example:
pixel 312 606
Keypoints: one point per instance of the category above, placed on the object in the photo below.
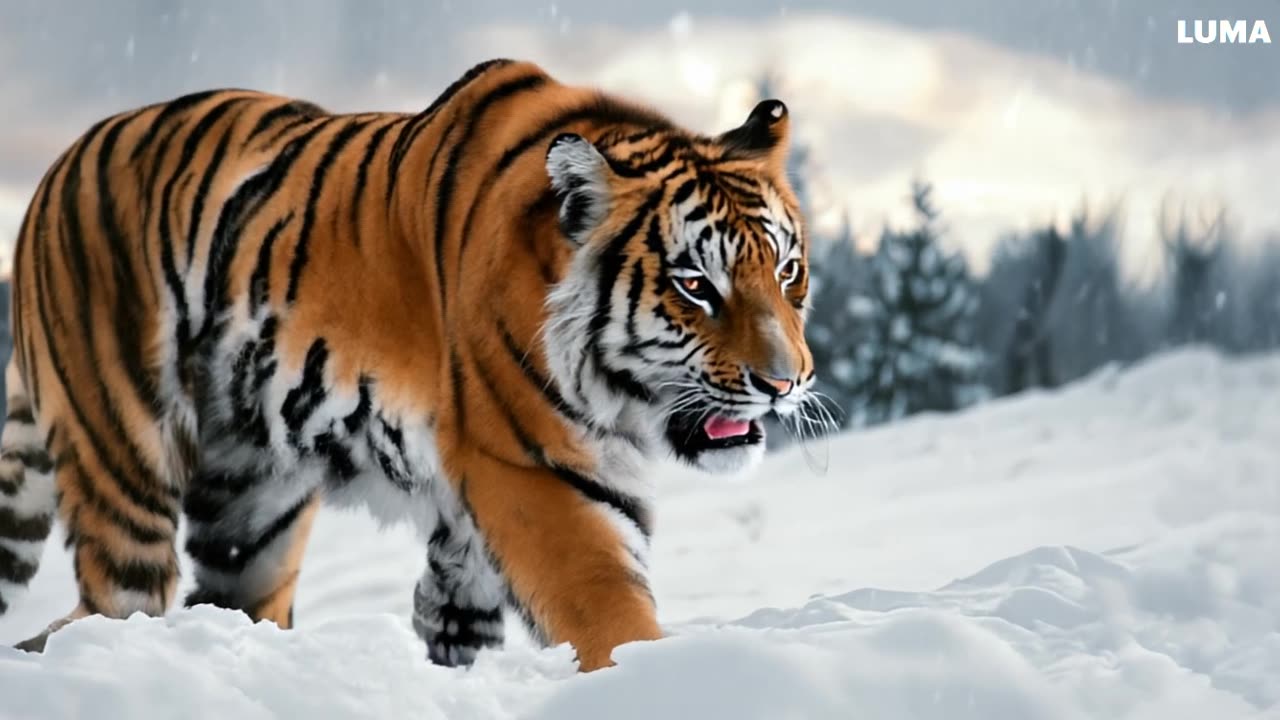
pixel 910 329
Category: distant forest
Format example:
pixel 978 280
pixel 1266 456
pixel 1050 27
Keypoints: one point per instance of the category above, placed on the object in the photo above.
pixel 908 329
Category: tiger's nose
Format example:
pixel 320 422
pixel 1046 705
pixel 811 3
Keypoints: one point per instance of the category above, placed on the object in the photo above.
pixel 771 386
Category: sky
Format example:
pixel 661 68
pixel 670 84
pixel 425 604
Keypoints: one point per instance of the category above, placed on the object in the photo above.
pixel 1019 111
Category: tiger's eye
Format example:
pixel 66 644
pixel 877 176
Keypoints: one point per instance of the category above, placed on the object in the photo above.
pixel 692 284
pixel 789 270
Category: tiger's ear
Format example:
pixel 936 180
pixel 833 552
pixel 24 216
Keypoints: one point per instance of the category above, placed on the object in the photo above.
pixel 580 178
pixel 764 135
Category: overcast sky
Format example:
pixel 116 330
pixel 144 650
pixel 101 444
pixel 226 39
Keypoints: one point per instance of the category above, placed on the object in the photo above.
pixel 961 89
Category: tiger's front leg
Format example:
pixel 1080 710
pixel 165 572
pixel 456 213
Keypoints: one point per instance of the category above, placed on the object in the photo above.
pixel 570 562
pixel 457 604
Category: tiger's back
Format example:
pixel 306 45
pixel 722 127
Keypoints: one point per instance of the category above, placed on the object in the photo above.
pixel 234 304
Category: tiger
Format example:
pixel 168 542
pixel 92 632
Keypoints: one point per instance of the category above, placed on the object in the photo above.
pixel 488 319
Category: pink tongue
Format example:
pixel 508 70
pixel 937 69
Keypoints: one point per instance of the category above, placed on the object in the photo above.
pixel 718 428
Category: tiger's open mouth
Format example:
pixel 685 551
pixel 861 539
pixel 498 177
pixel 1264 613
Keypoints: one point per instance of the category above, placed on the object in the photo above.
pixel 693 432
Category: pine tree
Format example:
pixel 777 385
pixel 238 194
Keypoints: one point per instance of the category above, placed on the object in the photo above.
pixel 916 351
pixel 839 316
pixel 1195 266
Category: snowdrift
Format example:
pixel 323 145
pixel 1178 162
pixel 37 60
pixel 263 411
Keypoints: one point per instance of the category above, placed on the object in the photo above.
pixel 1116 544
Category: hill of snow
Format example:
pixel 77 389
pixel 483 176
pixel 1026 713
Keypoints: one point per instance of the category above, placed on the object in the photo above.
pixel 1116 544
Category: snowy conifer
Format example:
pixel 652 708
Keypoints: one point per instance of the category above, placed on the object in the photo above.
pixel 915 350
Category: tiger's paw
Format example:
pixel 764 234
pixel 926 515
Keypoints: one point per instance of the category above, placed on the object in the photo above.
pixel 455 635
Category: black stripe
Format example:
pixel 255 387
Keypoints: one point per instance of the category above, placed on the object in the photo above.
pixel 418 123
pixel 362 177
pixel 302 400
pixel 575 213
pixel 551 392
pixel 131 574
pixel 285 129
pixel 428 180
pixel 170 109
pixel 11 483
pixel 661 160
pixel 635 293
pixel 300 252
pixel 140 478
pixel 32 528
pixel 238 211
pixel 393 434
pixel 622 382
pixel 612 262
pixel 576 204
pixel 108 511
pixel 398 475
pixel 127 307
pixel 545 385
pixel 211 492
pixel 31 457
pixel 400 150
pixel 174 282
pixel 635 348
pixel 682 193
pixel 240 373
pixel 393 473
pixel 42 220
pixel 439 537
pixel 637 136
pixel 189 148
pixel 20 415
pixel 259 281
pixel 356 420
pixel 473 615
pixel 246 415
pixel 299 110
pixel 157 159
pixel 629 506
pixel 202 190
pixel 337 454
pixel 602 110
pixel 264 360
pixel 149 196
pixel 45 265
pixel 737 181
pixel 15 569
pixel 459 404
pixel 250 420
pixel 464 621
pixel 210 596
pixel 445 187
pixel 233 557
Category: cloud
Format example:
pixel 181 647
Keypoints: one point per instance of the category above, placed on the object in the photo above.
pixel 1008 138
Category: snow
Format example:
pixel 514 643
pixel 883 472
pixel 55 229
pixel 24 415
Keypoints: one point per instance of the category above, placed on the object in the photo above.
pixel 1116 545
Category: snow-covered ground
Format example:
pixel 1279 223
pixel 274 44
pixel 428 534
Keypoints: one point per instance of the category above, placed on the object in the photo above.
pixel 1117 544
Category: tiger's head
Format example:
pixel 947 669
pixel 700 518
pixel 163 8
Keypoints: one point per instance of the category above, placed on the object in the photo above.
pixel 682 313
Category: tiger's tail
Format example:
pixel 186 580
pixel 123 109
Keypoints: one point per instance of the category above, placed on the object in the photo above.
pixel 27 492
